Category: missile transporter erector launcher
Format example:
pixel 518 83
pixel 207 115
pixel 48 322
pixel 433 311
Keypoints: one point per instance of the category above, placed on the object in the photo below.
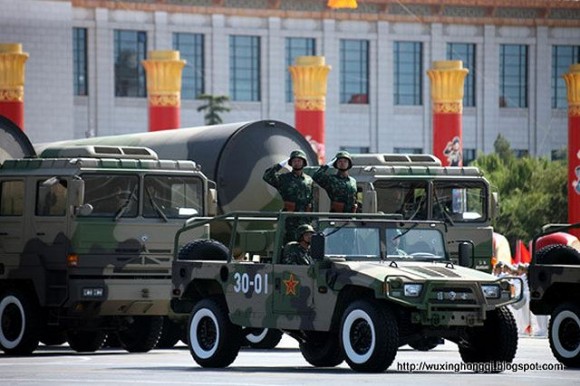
pixel 359 300
pixel 85 245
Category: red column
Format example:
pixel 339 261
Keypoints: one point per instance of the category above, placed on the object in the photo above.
pixel 572 79
pixel 12 70
pixel 447 79
pixel 309 79
pixel 163 70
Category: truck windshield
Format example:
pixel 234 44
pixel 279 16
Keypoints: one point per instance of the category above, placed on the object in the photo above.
pixel 172 196
pixel 112 195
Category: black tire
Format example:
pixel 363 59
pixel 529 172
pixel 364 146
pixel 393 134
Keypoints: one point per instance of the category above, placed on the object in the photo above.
pixel 204 250
pixel 142 334
pixel 369 336
pixel 212 339
pixel 20 324
pixel 493 343
pixel 265 338
pixel 170 334
pixel 427 343
pixel 323 350
pixel 558 254
pixel 52 336
pixel 564 334
pixel 86 341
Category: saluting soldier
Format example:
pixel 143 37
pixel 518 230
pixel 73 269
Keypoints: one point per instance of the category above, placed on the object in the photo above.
pixel 341 187
pixel 295 188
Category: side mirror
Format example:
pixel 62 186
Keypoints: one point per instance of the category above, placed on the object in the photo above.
pixel 317 247
pixel 77 189
pixel 465 254
pixel 370 200
pixel 212 202
pixel 494 209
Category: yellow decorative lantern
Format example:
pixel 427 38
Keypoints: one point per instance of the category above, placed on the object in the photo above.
pixel 342 4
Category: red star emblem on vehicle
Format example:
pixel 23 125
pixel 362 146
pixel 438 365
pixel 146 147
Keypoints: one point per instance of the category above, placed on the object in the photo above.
pixel 291 284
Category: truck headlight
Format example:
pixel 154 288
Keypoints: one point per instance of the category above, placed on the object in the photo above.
pixel 412 290
pixel 491 291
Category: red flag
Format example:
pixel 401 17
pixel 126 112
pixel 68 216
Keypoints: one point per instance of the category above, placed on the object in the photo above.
pixel 525 256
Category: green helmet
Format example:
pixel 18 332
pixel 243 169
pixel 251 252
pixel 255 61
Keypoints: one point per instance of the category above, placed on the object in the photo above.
pixel 343 154
pixel 298 154
pixel 304 228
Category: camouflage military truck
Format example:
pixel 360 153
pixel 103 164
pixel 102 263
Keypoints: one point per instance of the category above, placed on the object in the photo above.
pixel 417 187
pixel 86 244
pixel 358 301
pixel 554 280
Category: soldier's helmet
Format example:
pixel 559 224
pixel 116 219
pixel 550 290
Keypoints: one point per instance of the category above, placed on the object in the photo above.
pixel 343 154
pixel 298 154
pixel 304 228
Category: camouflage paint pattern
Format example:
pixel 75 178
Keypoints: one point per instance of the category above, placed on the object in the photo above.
pixel 260 292
pixel 129 258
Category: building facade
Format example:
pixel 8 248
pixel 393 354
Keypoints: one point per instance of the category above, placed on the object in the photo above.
pixel 84 75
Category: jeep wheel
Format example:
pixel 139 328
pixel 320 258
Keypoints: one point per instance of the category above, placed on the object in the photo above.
pixel 204 250
pixel 322 350
pixel 265 338
pixel 369 336
pixel 558 254
pixel 142 334
pixel 564 334
pixel 170 334
pixel 19 324
pixel 86 341
pixel 213 340
pixel 495 342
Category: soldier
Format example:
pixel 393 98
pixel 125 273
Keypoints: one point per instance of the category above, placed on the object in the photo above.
pixel 298 252
pixel 294 187
pixel 341 187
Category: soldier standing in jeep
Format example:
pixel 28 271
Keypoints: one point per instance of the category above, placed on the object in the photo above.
pixel 341 187
pixel 294 187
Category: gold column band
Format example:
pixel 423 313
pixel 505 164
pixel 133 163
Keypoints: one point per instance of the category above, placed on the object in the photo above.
pixel 164 70
pixel 447 78
pixel 309 79
pixel 572 79
pixel 12 71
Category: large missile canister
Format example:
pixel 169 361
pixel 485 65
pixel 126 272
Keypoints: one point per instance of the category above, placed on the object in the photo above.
pixel 13 142
pixel 234 155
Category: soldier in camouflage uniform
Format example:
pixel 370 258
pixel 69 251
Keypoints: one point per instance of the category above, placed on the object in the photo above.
pixel 294 187
pixel 341 187
pixel 298 252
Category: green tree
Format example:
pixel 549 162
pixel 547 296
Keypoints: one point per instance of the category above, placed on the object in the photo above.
pixel 532 191
pixel 215 104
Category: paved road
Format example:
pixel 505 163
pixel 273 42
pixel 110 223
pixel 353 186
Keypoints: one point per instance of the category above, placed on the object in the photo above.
pixel 281 366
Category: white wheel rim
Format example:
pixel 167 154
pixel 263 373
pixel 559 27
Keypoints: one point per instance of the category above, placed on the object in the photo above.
pixel 7 301
pixel 193 326
pixel 555 333
pixel 257 338
pixel 347 344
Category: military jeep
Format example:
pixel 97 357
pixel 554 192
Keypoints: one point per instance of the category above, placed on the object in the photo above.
pixel 358 301
pixel 554 279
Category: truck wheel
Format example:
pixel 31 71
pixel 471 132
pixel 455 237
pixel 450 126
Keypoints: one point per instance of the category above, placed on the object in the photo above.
pixel 558 254
pixel 170 334
pixel 53 336
pixel 19 324
pixel 496 341
pixel 564 334
pixel 323 350
pixel 265 338
pixel 86 341
pixel 369 336
pixel 142 334
pixel 426 343
pixel 204 250
pixel 213 340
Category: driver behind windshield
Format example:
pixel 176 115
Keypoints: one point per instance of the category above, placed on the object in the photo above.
pixel 393 242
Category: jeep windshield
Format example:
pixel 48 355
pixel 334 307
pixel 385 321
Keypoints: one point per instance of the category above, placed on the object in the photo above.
pixel 354 242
